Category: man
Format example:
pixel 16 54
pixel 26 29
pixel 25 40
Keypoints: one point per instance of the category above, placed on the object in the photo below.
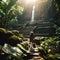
pixel 32 36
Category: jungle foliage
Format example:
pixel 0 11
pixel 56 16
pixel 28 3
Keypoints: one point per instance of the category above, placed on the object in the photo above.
pixel 8 12
pixel 12 45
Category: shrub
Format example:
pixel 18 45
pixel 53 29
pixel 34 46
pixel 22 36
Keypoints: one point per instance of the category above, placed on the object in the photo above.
pixel 49 47
pixel 51 57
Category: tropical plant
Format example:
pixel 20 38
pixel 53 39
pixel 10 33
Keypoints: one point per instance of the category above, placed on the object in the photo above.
pixel 49 48
pixel 8 11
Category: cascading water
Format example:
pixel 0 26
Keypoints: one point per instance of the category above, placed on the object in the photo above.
pixel 33 9
pixel 33 13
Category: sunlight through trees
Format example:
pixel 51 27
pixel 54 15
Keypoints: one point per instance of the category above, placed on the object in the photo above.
pixel 20 39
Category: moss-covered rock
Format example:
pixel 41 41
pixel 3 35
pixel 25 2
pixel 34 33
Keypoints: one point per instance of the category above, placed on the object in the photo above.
pixel 17 33
pixel 25 44
pixel 51 57
pixel 2 30
pixel 9 34
pixel 2 36
pixel 14 40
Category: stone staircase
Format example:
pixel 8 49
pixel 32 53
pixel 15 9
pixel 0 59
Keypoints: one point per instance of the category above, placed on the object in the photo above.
pixel 26 31
pixel 35 54
pixel 40 28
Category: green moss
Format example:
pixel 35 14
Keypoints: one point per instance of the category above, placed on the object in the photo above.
pixel 14 40
pixel 52 57
pixel 2 30
pixel 17 33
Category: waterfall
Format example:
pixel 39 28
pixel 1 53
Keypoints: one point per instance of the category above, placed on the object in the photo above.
pixel 33 13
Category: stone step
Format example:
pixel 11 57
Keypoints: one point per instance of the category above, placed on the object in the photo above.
pixel 38 32
pixel 29 29
pixel 41 27
pixel 36 21
pixel 35 54
pixel 35 49
pixel 45 30
pixel 37 57
pixel 47 23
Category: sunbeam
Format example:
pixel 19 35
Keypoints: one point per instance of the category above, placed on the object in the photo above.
pixel 30 1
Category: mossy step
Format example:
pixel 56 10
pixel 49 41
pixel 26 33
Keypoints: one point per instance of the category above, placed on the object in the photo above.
pixel 37 57
pixel 35 54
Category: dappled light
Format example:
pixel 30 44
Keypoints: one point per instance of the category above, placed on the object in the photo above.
pixel 30 1
pixel 4 0
pixel 29 29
